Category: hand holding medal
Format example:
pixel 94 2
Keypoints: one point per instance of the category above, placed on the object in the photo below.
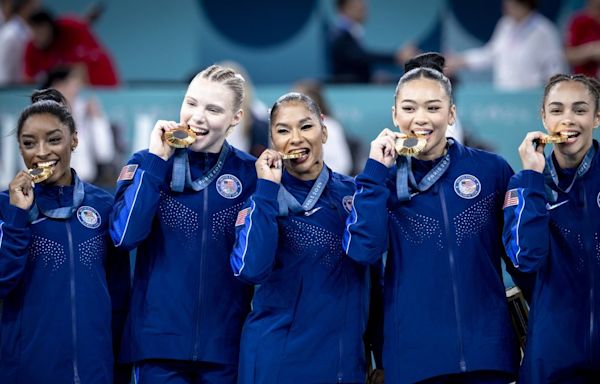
pixel 531 151
pixel 159 145
pixel 383 148
pixel 269 166
pixel 20 190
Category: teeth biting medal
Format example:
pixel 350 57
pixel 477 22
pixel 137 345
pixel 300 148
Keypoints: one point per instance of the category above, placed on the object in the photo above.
pixel 410 145
pixel 181 137
pixel 40 173
pixel 292 155
pixel 554 139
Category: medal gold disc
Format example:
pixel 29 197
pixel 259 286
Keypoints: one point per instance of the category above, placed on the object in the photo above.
pixel 40 174
pixel 410 145
pixel 292 155
pixel 553 139
pixel 180 138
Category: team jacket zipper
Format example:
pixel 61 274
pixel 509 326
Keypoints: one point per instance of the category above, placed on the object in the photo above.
pixel 340 370
pixel 201 271
pixel 452 262
pixel 76 379
pixel 589 252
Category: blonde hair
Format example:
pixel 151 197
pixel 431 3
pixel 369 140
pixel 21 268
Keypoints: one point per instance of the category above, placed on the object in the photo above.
pixel 229 78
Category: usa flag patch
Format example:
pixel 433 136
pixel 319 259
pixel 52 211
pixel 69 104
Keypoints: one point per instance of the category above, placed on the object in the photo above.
pixel 242 216
pixel 127 172
pixel 511 198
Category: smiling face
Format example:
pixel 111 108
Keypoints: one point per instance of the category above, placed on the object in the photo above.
pixel 45 141
pixel 423 108
pixel 569 108
pixel 208 109
pixel 295 128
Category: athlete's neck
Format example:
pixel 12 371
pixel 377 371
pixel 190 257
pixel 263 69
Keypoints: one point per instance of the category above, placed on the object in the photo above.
pixel 434 153
pixel 566 161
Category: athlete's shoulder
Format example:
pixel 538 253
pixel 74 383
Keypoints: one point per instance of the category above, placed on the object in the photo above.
pixel 243 163
pixel 343 182
pixel 242 156
pixel 482 157
pixel 97 196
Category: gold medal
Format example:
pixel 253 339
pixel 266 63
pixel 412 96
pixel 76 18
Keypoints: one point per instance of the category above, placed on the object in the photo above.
pixel 40 174
pixel 292 155
pixel 554 139
pixel 182 137
pixel 409 145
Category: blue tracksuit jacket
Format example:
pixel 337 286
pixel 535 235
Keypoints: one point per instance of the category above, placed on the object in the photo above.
pixel 186 303
pixel 445 305
pixel 561 241
pixel 59 279
pixel 310 310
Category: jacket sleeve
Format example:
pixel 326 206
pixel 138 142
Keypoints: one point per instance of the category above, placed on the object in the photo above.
pixel 483 57
pixel 526 220
pixel 15 237
pixel 136 199
pixel 118 277
pixel 255 247
pixel 365 238
pixel 348 50
pixel 525 281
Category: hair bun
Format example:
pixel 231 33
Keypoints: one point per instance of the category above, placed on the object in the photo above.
pixel 431 60
pixel 48 95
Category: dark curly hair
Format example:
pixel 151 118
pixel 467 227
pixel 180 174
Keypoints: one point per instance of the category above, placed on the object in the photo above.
pixel 48 101
pixel 428 65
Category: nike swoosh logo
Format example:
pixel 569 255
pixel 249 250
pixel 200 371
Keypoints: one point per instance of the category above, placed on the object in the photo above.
pixel 550 207
pixel 312 211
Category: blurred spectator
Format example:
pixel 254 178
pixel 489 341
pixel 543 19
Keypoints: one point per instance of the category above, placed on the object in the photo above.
pixel 336 151
pixel 523 52
pixel 66 41
pixel 5 9
pixel 252 133
pixel 583 40
pixel 14 36
pixel 95 152
pixel 350 61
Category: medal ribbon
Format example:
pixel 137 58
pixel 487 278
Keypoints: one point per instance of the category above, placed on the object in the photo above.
pixel 62 212
pixel 551 177
pixel 287 202
pixel 182 177
pixel 405 180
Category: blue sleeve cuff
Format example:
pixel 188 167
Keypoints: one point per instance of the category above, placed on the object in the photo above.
pixel 266 189
pixel 155 166
pixel 375 171
pixel 17 217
